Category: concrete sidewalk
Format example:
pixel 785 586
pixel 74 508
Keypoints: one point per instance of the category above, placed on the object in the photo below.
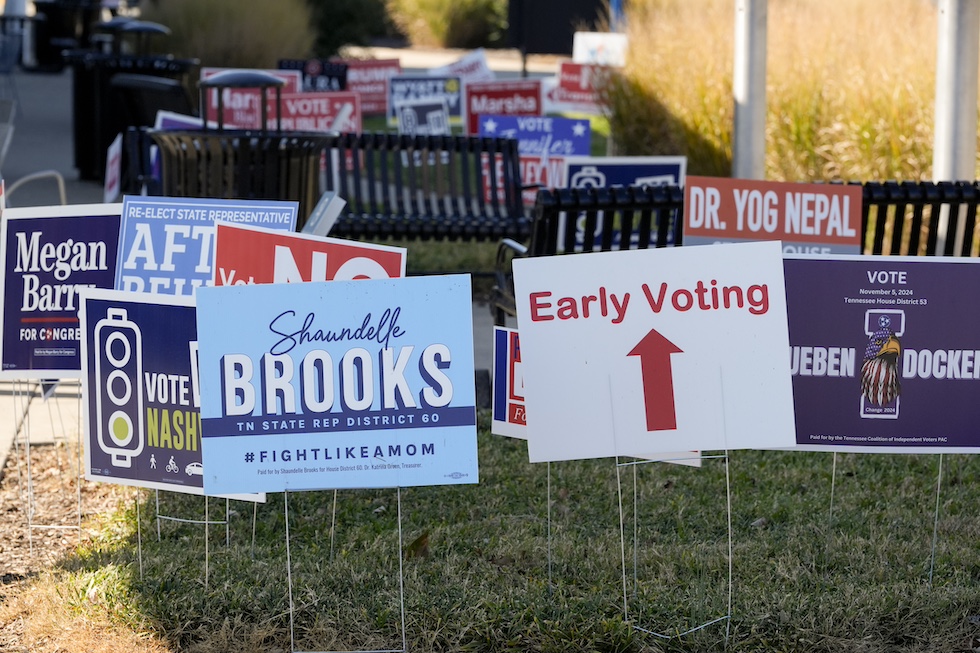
pixel 43 140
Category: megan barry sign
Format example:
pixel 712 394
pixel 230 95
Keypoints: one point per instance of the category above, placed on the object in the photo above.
pixel 345 384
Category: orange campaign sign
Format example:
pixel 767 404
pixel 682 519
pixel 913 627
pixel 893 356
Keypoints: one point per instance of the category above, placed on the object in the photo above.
pixel 808 218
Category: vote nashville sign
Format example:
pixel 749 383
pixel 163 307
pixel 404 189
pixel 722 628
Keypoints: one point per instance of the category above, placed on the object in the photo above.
pixel 647 351
pixel 343 384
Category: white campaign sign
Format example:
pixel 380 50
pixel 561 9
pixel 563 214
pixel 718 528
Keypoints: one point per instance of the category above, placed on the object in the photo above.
pixel 647 351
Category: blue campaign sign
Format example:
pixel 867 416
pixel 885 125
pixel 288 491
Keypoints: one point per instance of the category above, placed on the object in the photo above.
pixel 412 88
pixel 140 390
pixel 48 254
pixel 166 244
pixel 343 384
pixel 542 136
pixel 603 172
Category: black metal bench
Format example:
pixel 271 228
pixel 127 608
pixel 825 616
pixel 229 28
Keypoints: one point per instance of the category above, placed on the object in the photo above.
pixel 629 217
pixel 907 218
pixel 399 187
pixel 427 187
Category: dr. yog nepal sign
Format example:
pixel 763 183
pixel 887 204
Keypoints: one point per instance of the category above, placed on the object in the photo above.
pixel 339 384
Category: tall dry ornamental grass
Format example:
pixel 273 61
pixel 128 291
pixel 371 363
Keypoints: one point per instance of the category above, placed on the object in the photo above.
pixel 850 87
pixel 235 33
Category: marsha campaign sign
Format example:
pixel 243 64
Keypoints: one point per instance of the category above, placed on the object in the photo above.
pixel 884 353
pixel 48 255
pixel 140 391
pixel 808 218
pixel 425 88
pixel 647 351
pixel 166 244
pixel 501 98
pixel 346 384
pixel 245 255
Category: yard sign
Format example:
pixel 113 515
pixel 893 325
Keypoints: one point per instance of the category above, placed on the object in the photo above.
pixel 647 351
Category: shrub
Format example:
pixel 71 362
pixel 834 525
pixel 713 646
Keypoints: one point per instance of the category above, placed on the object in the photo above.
pixel 349 22
pixel 235 33
pixel 451 23
pixel 849 89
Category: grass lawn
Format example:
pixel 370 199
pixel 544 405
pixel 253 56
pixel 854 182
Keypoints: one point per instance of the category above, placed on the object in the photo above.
pixel 476 561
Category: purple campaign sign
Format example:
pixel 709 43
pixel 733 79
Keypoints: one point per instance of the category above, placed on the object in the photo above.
pixel 885 354
pixel 46 260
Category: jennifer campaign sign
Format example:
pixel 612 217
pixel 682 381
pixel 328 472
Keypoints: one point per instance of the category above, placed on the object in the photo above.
pixel 808 218
pixel 344 384
pixel 501 98
pixel 419 88
pixel 140 391
pixel 245 255
pixel 48 255
pixel 647 351
pixel 166 243
pixel 369 79
pixel 884 353
pixel 340 112
pixel 543 143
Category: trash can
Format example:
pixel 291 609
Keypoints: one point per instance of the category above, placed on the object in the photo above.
pixel 96 112
pixel 242 164
pixel 61 25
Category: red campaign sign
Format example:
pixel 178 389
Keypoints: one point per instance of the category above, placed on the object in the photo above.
pixel 507 98
pixel 369 79
pixel 537 172
pixel 242 106
pixel 321 112
pixel 252 255
pixel 577 83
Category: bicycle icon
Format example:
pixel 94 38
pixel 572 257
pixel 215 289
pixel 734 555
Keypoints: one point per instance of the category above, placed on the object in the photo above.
pixel 172 466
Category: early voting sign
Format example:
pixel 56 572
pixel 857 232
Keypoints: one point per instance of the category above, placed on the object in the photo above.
pixel 346 384
pixel 646 351
pixel 425 88
pixel 247 255
pixel 808 218
pixel 48 255
pixel 166 244
pixel 884 354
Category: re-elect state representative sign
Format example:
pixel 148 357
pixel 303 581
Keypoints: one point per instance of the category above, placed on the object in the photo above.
pixel 808 218
pixel 246 255
pixel 646 351
pixel 343 384
pixel 166 244
pixel 885 353
pixel 48 255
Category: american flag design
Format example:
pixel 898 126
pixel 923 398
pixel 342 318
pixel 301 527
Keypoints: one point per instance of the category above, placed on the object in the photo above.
pixel 880 383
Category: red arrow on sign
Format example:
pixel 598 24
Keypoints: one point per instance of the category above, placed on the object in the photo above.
pixel 654 351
